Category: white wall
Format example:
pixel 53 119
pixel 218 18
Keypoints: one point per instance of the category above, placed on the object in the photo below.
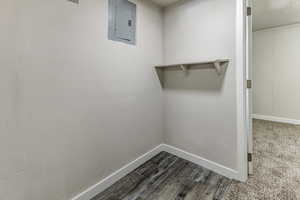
pixel 74 106
pixel 276 72
pixel 200 109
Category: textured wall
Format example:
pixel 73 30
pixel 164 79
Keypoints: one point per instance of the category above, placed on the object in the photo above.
pixel 200 109
pixel 75 106
pixel 276 72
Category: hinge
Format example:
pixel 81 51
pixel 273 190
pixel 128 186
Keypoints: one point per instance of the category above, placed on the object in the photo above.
pixel 249 11
pixel 249 157
pixel 249 84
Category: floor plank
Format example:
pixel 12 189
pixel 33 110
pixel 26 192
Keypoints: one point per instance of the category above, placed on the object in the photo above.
pixel 167 177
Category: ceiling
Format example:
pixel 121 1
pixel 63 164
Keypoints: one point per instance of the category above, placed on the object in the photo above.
pixel 273 13
pixel 165 2
pixel 266 13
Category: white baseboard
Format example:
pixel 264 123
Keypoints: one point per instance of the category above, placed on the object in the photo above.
pixel 111 179
pixel 276 119
pixel 215 167
pixel 114 177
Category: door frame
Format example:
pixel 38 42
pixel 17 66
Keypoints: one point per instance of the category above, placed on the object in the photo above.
pixel 249 77
pixel 243 119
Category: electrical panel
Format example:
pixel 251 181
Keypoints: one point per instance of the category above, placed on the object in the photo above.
pixel 122 21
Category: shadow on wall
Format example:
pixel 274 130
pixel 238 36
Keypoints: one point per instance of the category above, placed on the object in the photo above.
pixel 205 79
pixel 182 2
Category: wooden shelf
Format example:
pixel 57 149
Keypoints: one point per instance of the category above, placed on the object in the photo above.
pixel 218 65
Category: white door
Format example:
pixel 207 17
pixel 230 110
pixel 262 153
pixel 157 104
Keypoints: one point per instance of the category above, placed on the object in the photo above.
pixel 249 84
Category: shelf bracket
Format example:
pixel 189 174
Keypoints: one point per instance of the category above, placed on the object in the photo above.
pixel 218 67
pixel 183 68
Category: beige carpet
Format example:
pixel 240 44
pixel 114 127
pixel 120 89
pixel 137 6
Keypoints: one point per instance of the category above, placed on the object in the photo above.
pixel 276 164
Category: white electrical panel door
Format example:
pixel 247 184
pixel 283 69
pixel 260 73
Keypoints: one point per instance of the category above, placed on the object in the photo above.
pixel 122 22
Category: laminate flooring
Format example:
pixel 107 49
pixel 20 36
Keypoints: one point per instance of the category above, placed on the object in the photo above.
pixel 167 177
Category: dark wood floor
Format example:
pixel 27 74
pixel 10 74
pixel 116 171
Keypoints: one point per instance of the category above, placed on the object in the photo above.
pixel 167 177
